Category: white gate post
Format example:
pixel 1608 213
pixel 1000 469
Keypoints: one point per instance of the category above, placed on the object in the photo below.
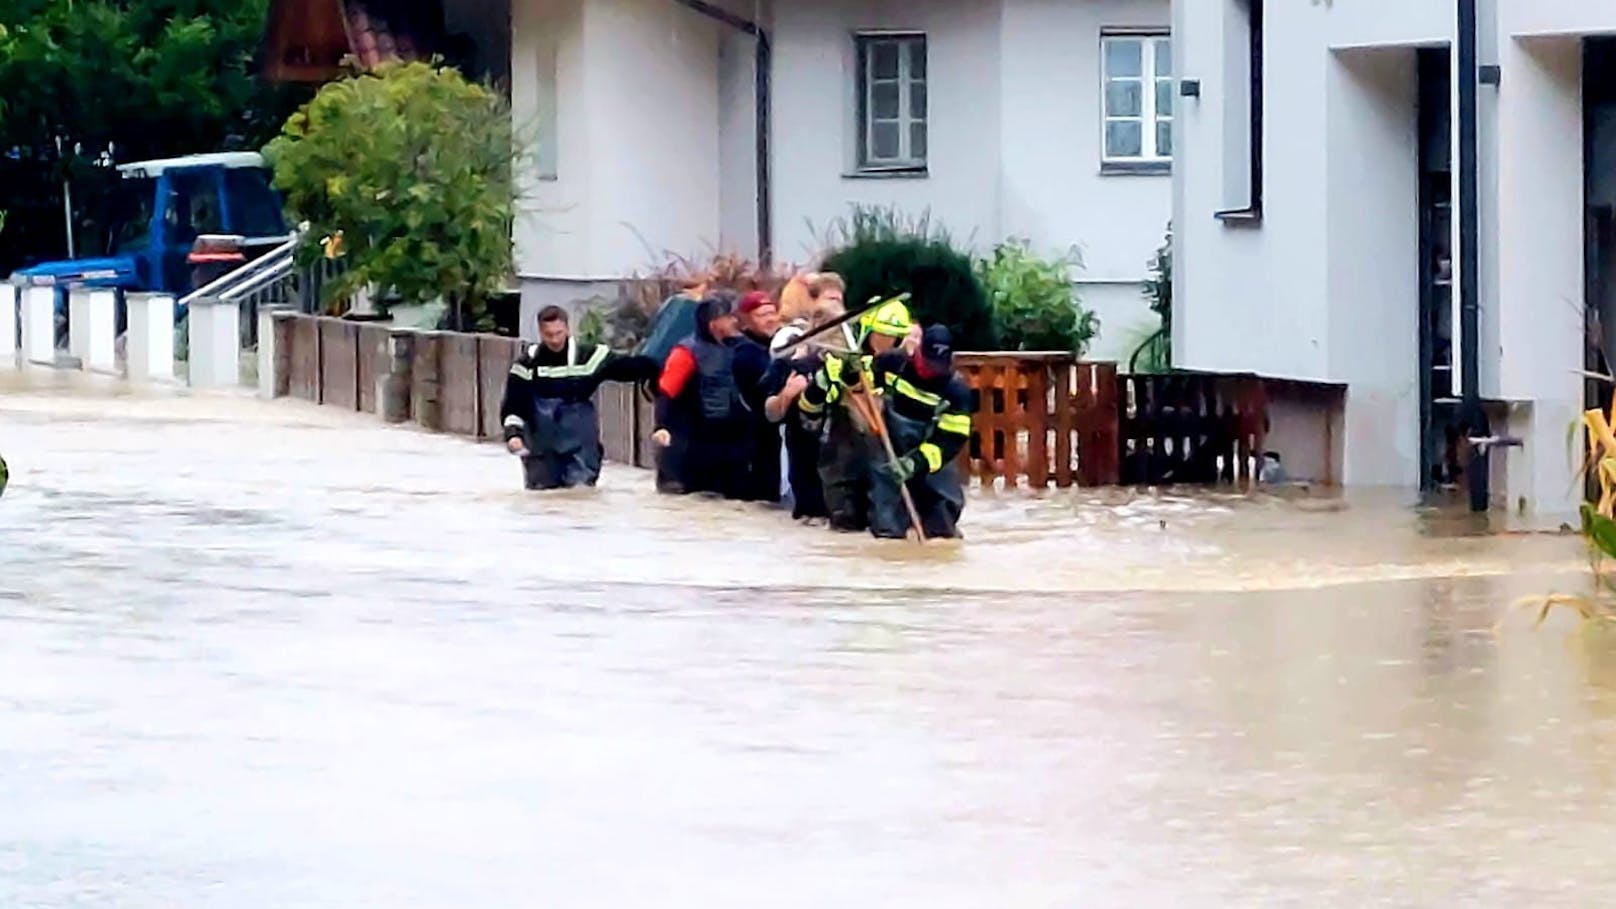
pixel 150 347
pixel 39 325
pixel 9 302
pixel 78 324
pixel 101 338
pixel 213 332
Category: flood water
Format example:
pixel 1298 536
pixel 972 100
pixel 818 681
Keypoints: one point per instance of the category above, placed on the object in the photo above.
pixel 264 655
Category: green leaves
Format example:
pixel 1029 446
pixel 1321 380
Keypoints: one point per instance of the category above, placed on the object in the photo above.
pixel 1600 530
pixel 152 78
pixel 413 164
pixel 1034 299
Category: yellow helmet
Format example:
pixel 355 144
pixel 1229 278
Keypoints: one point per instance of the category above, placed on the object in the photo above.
pixel 890 317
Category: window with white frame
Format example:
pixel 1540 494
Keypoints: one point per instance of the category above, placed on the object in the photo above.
pixel 1138 106
pixel 891 101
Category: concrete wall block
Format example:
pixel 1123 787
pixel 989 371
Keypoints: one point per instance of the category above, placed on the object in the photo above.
pixel 39 325
pixel 425 381
pixel 394 384
pixel 78 324
pixel 150 347
pixel 101 335
pixel 214 337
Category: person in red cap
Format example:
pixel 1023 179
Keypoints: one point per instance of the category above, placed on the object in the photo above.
pixel 760 320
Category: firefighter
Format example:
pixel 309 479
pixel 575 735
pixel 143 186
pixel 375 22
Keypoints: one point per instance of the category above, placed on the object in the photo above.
pixel 548 411
pixel 927 406
pixel 703 426
pixel 789 379
pixel 845 446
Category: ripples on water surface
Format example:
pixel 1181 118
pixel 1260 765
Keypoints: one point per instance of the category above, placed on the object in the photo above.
pixel 264 655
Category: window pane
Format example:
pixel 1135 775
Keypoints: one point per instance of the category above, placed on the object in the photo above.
pixel 1164 97
pixel 1164 138
pixel 917 58
pixel 884 141
pixel 917 100
pixel 1123 139
pixel 883 60
pixel 1124 98
pixel 1164 57
pixel 917 141
pixel 884 101
pixel 1124 57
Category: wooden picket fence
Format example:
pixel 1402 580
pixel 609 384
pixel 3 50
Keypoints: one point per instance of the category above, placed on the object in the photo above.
pixel 1041 419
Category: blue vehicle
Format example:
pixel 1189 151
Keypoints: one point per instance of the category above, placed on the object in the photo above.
pixel 157 214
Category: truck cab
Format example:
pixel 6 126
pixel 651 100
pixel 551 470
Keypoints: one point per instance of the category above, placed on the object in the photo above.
pixel 159 210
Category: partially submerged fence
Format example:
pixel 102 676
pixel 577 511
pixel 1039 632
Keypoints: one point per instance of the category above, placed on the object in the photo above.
pixel 1040 419
pixel 442 381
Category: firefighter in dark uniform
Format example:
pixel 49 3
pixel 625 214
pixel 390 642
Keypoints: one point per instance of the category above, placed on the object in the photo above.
pixel 548 411
pixel 844 451
pixel 704 429
pixel 927 406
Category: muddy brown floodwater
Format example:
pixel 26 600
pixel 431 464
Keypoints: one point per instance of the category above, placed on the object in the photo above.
pixel 262 655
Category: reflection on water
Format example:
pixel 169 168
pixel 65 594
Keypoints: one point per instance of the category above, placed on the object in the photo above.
pixel 262 655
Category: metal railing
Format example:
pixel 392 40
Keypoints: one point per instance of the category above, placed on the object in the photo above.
pixel 273 279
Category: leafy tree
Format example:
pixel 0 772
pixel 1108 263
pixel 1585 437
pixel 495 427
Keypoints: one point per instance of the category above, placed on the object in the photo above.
pixel 84 83
pixel 1034 300
pixel 412 166
pixel 879 253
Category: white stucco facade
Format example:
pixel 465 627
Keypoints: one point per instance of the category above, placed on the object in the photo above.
pixel 655 130
pixel 1327 286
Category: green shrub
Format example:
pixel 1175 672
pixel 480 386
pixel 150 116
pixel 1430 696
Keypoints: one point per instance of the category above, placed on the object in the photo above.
pixel 1034 299
pixel 1155 353
pixel 412 166
pixel 880 254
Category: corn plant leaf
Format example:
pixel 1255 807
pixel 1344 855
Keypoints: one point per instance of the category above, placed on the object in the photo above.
pixel 1600 530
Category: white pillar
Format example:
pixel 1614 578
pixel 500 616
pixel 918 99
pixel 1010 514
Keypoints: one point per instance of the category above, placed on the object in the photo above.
pixel 78 324
pixel 213 330
pixel 266 351
pixel 39 325
pixel 101 342
pixel 150 348
pixel 9 301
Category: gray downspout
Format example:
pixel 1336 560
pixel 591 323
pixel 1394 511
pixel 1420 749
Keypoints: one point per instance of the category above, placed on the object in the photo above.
pixel 762 87
pixel 1473 418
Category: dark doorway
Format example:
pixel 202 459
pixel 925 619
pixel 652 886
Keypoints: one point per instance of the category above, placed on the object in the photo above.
pixel 1599 194
pixel 1440 431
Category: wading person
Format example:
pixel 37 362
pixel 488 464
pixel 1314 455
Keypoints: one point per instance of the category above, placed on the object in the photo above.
pixel 789 377
pixel 760 322
pixel 927 407
pixel 703 434
pixel 550 419
pixel 844 450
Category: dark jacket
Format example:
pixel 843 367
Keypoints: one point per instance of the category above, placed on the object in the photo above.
pixel 568 376
pixel 752 379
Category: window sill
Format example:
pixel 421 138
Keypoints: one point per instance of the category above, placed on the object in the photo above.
pixel 1240 217
pixel 889 173
pixel 1136 168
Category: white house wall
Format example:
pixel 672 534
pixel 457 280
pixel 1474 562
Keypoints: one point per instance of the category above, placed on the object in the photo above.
pixel 1015 129
pixel 1326 288
pixel 737 134
pixel 1053 192
pixel 814 110
pixel 638 142
pixel 1372 231
pixel 653 91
